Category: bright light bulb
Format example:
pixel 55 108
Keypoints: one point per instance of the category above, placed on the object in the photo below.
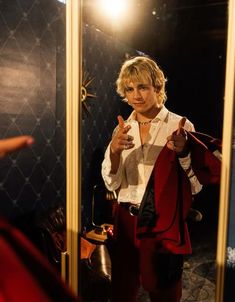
pixel 113 8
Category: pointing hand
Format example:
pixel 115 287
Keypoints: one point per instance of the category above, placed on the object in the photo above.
pixel 121 140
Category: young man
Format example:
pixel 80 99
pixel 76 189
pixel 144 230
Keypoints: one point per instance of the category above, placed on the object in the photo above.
pixel 144 157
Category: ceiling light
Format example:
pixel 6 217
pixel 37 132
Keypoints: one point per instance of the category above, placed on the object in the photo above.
pixel 113 8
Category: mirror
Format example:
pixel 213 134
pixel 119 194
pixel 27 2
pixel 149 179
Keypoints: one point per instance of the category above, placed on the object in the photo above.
pixel 188 40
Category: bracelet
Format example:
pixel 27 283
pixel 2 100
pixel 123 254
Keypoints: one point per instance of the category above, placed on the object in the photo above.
pixel 190 172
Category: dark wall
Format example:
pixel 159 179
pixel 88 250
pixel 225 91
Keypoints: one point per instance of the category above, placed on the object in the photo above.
pixel 194 64
pixel 32 101
pixel 102 58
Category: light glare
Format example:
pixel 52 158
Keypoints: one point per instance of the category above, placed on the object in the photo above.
pixel 113 8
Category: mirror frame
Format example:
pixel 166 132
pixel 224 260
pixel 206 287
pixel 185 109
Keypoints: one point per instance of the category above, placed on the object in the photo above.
pixel 226 155
pixel 70 259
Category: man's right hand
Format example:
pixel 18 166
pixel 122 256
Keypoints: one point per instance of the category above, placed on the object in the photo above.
pixel 121 140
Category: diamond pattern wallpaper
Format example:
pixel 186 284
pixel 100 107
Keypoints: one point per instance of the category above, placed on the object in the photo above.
pixel 32 101
pixel 102 59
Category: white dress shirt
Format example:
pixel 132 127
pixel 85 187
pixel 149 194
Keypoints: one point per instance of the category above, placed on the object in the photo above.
pixel 136 164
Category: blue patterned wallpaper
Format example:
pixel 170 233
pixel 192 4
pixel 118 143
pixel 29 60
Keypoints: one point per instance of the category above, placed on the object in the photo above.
pixel 102 58
pixel 32 101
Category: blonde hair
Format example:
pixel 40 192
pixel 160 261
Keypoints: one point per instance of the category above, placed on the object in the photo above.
pixel 141 69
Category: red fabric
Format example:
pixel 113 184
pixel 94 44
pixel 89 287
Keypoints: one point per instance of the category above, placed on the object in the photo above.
pixel 25 274
pixel 16 282
pixel 134 260
pixel 172 191
pixel 205 164
pixel 124 255
pixel 173 200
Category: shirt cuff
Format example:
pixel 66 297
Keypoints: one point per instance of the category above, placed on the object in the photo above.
pixel 111 180
pixel 185 162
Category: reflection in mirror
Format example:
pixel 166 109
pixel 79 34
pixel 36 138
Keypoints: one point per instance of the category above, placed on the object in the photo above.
pixel 32 101
pixel 188 40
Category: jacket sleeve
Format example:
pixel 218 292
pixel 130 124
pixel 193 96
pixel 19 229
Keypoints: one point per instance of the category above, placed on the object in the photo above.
pixel 205 163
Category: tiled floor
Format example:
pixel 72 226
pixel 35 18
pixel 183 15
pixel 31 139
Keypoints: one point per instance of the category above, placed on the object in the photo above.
pixel 199 278
pixel 199 273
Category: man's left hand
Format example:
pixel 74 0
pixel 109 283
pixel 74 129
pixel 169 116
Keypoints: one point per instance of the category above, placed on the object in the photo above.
pixel 178 141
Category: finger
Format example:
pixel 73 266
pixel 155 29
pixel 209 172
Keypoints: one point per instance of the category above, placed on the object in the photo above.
pixel 127 146
pixel 170 145
pixel 126 140
pixel 126 129
pixel 169 138
pixel 13 144
pixel 121 122
pixel 130 138
pixel 181 125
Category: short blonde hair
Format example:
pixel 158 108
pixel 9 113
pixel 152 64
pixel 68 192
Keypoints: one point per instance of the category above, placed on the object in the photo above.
pixel 141 69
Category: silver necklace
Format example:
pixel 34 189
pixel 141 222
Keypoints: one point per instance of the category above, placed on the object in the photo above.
pixel 145 123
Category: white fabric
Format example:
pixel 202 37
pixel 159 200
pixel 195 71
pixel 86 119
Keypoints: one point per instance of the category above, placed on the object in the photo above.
pixel 136 164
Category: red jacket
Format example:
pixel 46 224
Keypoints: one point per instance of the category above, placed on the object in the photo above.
pixel 25 274
pixel 172 191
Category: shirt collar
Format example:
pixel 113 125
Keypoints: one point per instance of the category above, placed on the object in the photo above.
pixel 161 116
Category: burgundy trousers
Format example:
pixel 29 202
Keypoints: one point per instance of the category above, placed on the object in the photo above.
pixel 138 262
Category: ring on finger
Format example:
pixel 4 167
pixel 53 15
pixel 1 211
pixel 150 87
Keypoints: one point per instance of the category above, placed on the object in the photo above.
pixel 125 147
pixel 129 138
